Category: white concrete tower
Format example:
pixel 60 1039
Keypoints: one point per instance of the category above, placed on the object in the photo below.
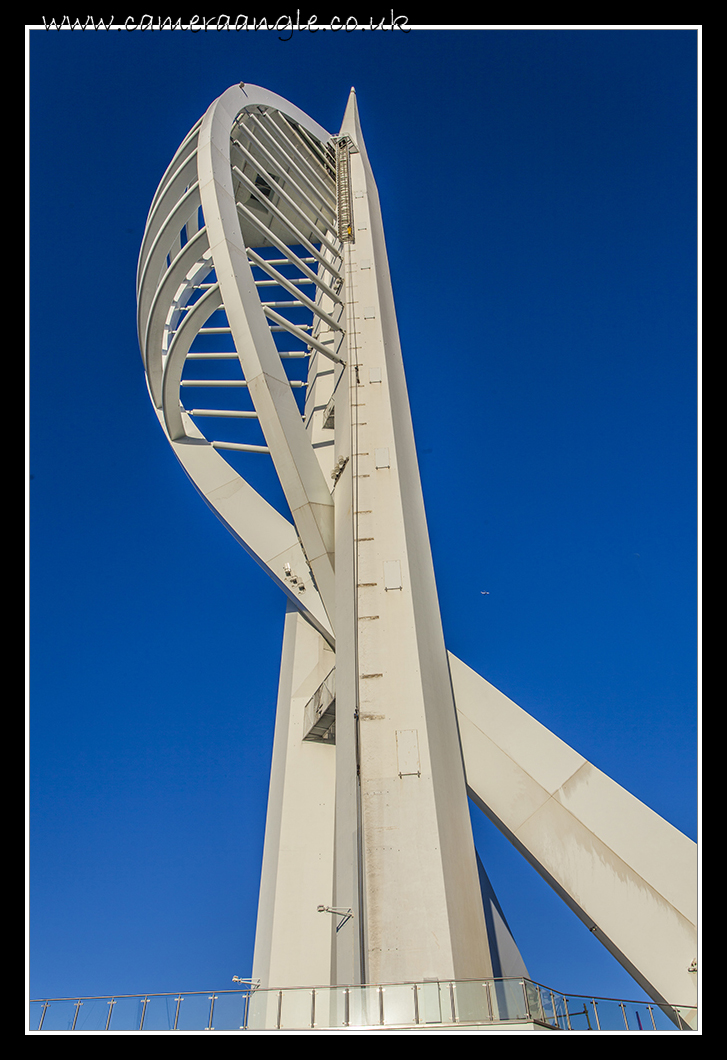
pixel 404 824
pixel 263 278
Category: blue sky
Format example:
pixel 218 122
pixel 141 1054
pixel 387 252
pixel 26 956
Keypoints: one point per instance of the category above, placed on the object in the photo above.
pixel 540 199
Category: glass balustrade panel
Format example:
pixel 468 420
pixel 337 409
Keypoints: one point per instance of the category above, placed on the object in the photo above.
pixel 263 1010
pixel 229 1012
pixel 161 1012
pixel 296 1010
pixel 194 1012
pixel 472 1002
pixel 364 1006
pixel 508 999
pixel 398 1004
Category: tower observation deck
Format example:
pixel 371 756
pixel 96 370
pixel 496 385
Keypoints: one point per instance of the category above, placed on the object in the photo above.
pixel 268 331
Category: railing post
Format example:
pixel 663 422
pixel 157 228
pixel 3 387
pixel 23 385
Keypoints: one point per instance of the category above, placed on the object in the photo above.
pixel 212 999
pixel 540 1002
pixel 682 1024
pixel 42 1014
pixel 111 1004
pixel 144 1003
pixel 75 1015
pixel 651 1013
pixel 179 1001
pixel 623 1013
pixel 595 1012
pixel 488 994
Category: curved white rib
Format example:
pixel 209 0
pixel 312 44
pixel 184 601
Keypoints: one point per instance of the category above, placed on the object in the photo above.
pixel 182 281
pixel 306 490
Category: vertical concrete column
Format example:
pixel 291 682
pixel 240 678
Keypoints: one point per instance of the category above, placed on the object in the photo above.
pixel 293 940
pixel 421 906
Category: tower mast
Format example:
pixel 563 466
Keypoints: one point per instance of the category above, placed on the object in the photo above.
pixel 415 888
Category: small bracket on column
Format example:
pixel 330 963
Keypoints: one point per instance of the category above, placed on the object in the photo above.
pixel 346 914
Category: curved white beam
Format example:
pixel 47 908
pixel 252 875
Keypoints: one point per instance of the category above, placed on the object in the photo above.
pixel 169 320
pixel 153 327
pixel 306 490
pixel 170 189
pixel 629 875
pixel 184 336
pixel 166 242
pixel 264 533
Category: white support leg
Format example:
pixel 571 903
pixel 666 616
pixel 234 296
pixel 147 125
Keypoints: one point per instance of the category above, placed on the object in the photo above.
pixel 293 940
pixel 628 874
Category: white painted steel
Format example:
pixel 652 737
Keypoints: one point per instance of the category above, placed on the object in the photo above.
pixel 300 475
pixel 174 263
pixel 627 873
pixel 293 940
pixel 406 862
pixel 254 173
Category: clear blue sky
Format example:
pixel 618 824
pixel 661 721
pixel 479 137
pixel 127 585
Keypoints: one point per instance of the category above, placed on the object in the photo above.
pixel 539 191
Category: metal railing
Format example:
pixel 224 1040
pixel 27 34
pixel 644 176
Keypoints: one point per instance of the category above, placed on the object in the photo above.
pixel 429 1005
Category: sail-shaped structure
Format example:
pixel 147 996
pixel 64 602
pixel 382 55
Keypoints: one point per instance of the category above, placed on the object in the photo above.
pixel 268 331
